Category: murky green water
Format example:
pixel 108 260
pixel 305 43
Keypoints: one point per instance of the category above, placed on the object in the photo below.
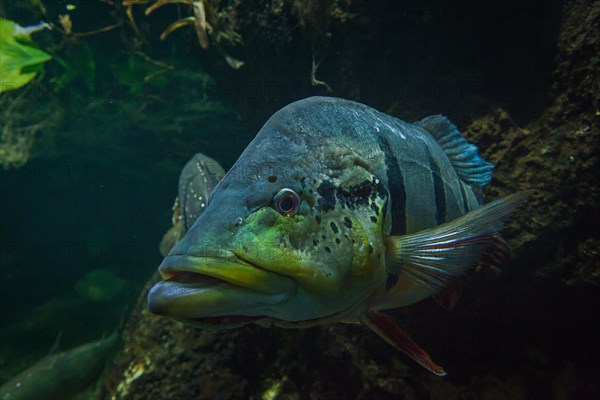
pixel 82 218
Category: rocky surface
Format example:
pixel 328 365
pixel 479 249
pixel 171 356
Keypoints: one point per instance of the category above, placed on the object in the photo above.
pixel 525 332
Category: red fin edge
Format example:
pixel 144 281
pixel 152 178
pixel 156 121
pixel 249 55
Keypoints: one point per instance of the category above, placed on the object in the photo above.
pixel 388 330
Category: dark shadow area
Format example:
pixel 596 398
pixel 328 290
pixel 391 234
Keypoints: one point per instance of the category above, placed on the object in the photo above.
pixel 419 58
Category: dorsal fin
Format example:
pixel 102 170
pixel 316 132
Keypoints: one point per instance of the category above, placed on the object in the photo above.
pixel 469 166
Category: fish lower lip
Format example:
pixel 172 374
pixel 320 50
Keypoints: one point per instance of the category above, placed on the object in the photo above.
pixel 203 272
pixel 189 301
pixel 200 287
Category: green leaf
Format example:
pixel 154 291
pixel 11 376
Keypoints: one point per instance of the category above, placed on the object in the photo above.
pixel 19 61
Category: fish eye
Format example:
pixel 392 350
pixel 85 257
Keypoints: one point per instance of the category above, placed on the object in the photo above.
pixel 286 202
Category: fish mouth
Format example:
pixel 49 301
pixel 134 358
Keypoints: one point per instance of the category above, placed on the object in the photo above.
pixel 197 287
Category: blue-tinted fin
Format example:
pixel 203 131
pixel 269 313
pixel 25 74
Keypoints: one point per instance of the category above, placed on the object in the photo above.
pixel 467 163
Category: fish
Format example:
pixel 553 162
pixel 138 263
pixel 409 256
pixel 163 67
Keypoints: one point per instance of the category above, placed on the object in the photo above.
pixel 197 179
pixel 61 375
pixel 336 212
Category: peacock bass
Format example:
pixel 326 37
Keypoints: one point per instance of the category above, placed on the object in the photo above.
pixel 334 212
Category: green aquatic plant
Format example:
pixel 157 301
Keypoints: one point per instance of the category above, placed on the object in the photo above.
pixel 79 63
pixel 20 59
pixel 24 115
pixel 207 19
pixel 90 76
pixel 136 70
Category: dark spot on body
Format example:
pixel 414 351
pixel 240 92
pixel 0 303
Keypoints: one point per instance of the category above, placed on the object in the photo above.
pixel 373 219
pixel 272 178
pixel 334 227
pixel 375 207
pixel 337 240
pixel 327 249
pixel 355 195
pixel 318 218
pixel 327 200
pixel 316 242
pixel 348 222
pixel 324 205
pixel 379 188
pixel 363 189
pixel 323 236
pixel 371 249
pixel 391 281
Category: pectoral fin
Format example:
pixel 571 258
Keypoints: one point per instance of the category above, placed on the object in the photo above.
pixel 438 256
pixel 386 328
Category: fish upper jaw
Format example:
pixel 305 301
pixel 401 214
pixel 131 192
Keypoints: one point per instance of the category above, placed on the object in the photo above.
pixel 227 268
pixel 214 286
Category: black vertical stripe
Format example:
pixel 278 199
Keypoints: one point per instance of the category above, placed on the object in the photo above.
pixel 439 191
pixel 395 182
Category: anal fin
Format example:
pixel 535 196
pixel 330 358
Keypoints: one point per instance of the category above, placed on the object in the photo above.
pixel 388 330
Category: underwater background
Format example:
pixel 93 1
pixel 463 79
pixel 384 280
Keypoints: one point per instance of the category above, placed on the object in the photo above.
pixel 100 110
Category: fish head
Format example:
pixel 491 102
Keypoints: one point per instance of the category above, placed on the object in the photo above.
pixel 292 233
